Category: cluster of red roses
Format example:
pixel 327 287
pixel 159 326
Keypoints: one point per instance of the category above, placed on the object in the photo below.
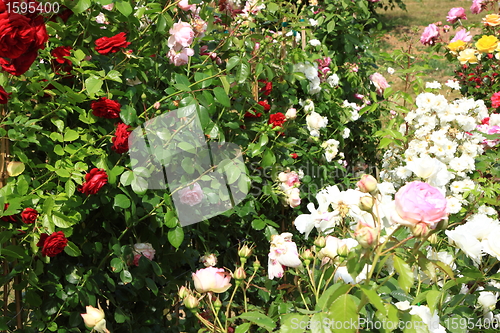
pixel 21 36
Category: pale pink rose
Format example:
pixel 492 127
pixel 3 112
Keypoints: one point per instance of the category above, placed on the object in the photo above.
pixel 487 129
pixel 191 196
pixel 462 35
pixel 477 6
pixel 181 34
pixel 212 279
pixel 180 58
pixel 93 316
pixel 379 82
pixel 419 202
pixel 143 249
pixel 184 5
pixel 283 252
pixel 455 14
pixel 293 197
pixel 430 34
pixel 109 7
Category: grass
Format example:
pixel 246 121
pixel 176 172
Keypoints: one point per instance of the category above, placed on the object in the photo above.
pixel 404 28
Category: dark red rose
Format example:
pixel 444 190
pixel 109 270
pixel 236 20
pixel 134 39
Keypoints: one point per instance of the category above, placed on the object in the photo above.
pixel 265 105
pixel 52 245
pixel 60 52
pixel 294 155
pixel 277 119
pixel 268 87
pixel 29 215
pixel 120 140
pixel 105 45
pixel 256 114
pixel 4 96
pixel 3 8
pixel 106 108
pixel 20 65
pixel 9 218
pixel 16 35
pixel 94 180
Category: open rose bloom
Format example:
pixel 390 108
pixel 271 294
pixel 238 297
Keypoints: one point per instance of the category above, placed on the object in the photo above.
pixel 94 318
pixel 212 279
pixel 418 202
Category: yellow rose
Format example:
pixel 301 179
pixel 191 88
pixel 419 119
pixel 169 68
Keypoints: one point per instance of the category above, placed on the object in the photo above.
pixel 487 44
pixel 467 55
pixel 491 20
pixel 456 46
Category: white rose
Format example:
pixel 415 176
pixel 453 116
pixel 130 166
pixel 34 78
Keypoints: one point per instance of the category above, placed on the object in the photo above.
pixel 291 114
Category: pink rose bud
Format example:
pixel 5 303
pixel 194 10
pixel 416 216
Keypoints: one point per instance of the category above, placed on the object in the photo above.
pixel 307 255
pixel 366 235
pixel 244 251
pixel 240 274
pixel 209 260
pixel 156 105
pixel 420 230
pixel 367 184
pixel 256 47
pixel 212 279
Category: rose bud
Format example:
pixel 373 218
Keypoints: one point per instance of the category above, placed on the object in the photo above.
pixel 367 184
pixel 191 302
pixel 244 251
pixel 209 260
pixel 94 318
pixel 420 230
pixel 291 113
pixel 366 203
pixel 217 305
pixel 239 274
pixel 366 235
pixel 256 264
pixel 183 292
pixel 320 242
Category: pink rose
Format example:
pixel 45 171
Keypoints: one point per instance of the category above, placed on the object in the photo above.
pixel 180 58
pixel 477 6
pixel 462 35
pixel 430 35
pixel 181 34
pixel 419 202
pixel 212 279
pixel 456 14
pixel 379 82
pixel 191 196
pixel 184 5
pixel 143 249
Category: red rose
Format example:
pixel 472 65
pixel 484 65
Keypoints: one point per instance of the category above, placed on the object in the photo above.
pixel 495 100
pixel 29 215
pixel 20 65
pixel 106 108
pixel 264 104
pixel 52 245
pixel 4 96
pixel 60 52
pixel 256 114
pixel 277 119
pixel 9 218
pixel 105 45
pixel 16 35
pixel 94 180
pixel 294 155
pixel 120 140
pixel 268 87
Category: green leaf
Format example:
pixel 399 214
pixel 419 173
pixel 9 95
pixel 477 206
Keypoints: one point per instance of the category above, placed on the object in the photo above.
pixel 268 158
pixel 331 294
pixel 176 236
pixel 80 7
pixel 170 219
pixel 12 252
pixel 122 201
pixel 243 328
pixel 221 96
pixel 62 220
pixel 152 286
pixel 330 26
pixel 127 177
pixel 114 76
pixel 232 62
pixel 72 250
pixel 124 7
pixel 405 278
pixel 70 188
pixel 93 85
pixel 243 72
pixel 374 298
pixel 70 135
pixel 258 224
pixel 433 297
pixel 344 310
pixel 128 114
pixel 225 84
pixel 125 276
pixel 139 185
pixel 293 323
pixel 116 265
pixel 259 319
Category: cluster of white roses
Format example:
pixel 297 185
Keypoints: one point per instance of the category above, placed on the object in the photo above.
pixel 442 147
pixel 311 73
